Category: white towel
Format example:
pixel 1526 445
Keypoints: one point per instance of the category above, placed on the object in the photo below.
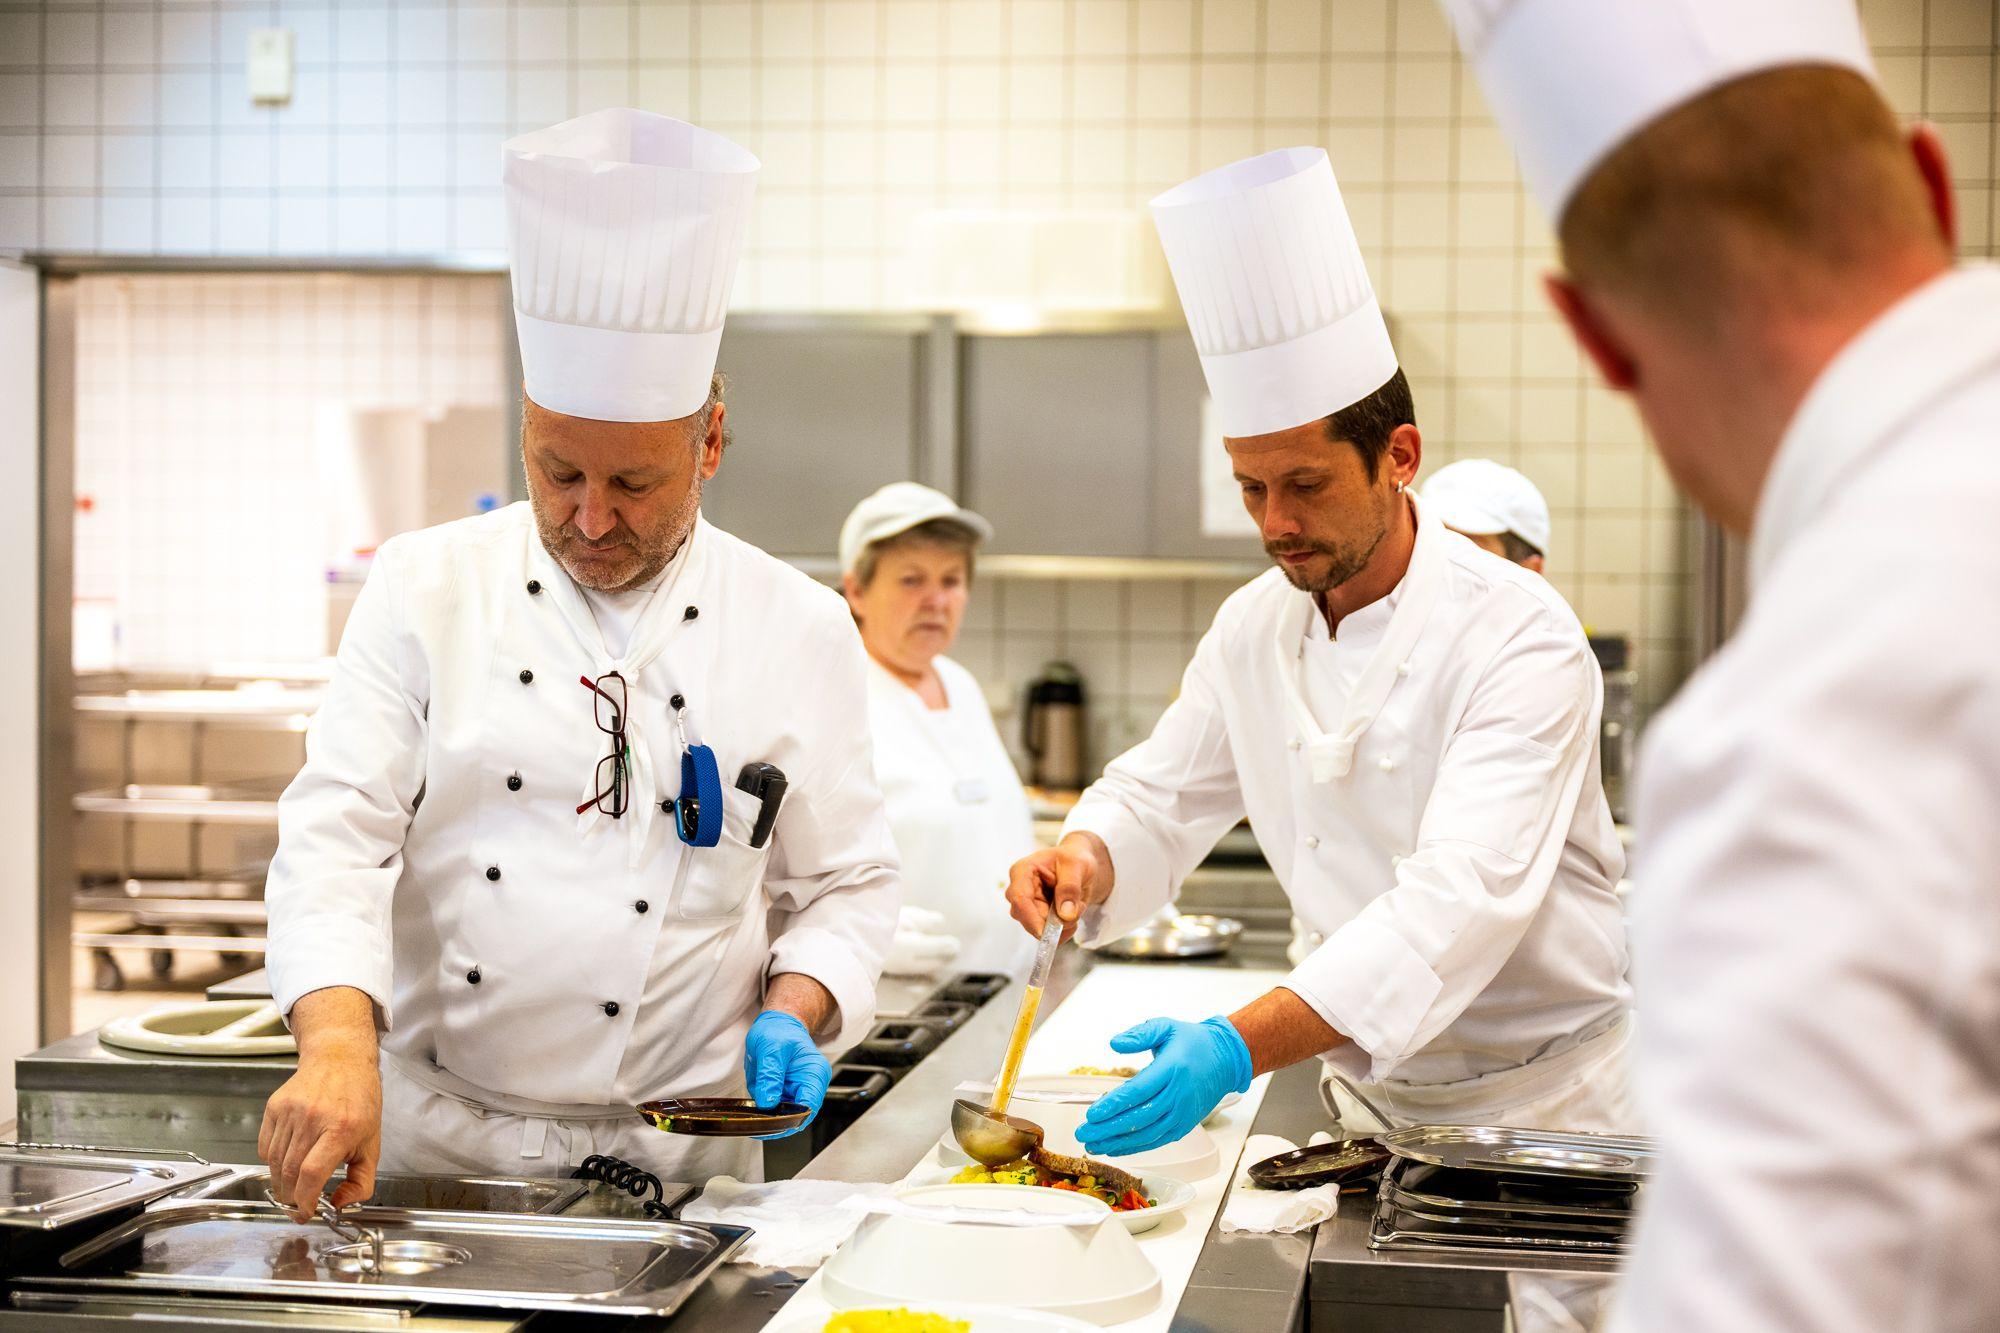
pixel 1250 1208
pixel 794 1223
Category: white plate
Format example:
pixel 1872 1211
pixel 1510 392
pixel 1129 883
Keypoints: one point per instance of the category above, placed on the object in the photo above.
pixel 1170 1195
pixel 1091 1272
pixel 984 1319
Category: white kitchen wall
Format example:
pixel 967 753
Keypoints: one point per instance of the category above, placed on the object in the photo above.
pixel 202 524
pixel 125 128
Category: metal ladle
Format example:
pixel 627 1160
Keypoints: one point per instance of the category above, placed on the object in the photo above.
pixel 987 1134
pixel 353 1234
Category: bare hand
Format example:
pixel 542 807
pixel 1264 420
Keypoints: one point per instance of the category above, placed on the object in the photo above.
pixel 329 1113
pixel 1071 875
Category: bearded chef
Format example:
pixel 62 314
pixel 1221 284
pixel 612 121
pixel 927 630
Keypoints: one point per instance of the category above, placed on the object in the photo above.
pixel 537 844
pixel 1410 726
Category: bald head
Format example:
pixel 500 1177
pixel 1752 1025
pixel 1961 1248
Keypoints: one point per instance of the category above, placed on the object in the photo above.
pixel 1793 186
pixel 1719 259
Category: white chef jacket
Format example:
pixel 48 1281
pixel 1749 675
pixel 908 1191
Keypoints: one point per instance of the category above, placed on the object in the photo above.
pixel 1457 880
pixel 1819 905
pixel 430 853
pixel 956 809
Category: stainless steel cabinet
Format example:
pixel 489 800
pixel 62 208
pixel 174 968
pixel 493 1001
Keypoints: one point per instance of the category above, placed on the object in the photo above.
pixel 1088 444
pixel 822 413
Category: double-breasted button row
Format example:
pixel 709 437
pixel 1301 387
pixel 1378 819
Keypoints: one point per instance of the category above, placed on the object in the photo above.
pixel 610 1007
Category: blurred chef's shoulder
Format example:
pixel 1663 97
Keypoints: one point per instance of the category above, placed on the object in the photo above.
pixel 609 545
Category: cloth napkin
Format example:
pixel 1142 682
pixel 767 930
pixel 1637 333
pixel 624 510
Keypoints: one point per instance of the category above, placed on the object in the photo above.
pixel 793 1223
pixel 1250 1208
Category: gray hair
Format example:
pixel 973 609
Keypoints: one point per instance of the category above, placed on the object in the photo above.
pixel 718 384
pixel 1518 549
pixel 943 532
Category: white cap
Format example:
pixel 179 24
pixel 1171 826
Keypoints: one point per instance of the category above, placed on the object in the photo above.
pixel 895 509
pixel 623 228
pixel 1570 80
pixel 1480 496
pixel 1276 295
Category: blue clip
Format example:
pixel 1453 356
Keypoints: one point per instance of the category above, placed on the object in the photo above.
pixel 698 812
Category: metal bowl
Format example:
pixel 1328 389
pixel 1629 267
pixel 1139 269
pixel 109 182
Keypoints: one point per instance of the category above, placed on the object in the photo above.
pixel 1177 938
pixel 723 1117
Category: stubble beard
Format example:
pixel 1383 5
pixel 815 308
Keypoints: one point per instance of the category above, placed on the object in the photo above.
pixel 1344 562
pixel 650 551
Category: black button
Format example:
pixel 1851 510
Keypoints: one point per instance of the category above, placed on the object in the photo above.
pixel 493 872
pixel 611 1008
pixel 678 703
pixel 667 806
pixel 473 976
pixel 691 613
pixel 513 782
pixel 534 586
pixel 527 676
pixel 642 907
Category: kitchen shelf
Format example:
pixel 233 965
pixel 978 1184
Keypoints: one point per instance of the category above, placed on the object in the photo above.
pixel 262 710
pixel 1101 568
pixel 201 805
pixel 165 911
pixel 225 944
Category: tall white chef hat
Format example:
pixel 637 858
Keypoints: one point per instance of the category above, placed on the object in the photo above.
pixel 623 228
pixel 1570 80
pixel 1275 291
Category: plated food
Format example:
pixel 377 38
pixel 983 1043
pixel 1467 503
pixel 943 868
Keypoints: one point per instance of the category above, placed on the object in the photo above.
pixel 898 1320
pixel 1124 1191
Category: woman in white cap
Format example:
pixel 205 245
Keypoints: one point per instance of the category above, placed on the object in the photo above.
pixel 586 819
pixel 1494 505
pixel 1758 250
pixel 955 802
pixel 1410 725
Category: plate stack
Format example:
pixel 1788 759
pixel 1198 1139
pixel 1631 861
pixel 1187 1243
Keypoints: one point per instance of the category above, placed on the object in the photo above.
pixel 1455 1187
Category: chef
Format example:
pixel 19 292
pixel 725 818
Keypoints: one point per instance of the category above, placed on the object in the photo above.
pixel 1758 252
pixel 954 800
pixel 1494 505
pixel 538 845
pixel 1410 726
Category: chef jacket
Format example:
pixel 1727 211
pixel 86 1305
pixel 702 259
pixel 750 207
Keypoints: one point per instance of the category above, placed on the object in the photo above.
pixel 1818 915
pixel 430 853
pixel 1456 879
pixel 956 808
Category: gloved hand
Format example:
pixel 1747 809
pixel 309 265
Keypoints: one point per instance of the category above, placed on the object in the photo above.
pixel 781 1064
pixel 1195 1065
pixel 921 947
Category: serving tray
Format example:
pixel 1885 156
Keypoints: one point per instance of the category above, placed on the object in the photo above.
pixel 1531 1152
pixel 514 1261
pixel 48 1185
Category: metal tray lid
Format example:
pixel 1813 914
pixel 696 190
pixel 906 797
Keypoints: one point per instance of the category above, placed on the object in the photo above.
pixel 47 1185
pixel 1532 1152
pixel 517 1261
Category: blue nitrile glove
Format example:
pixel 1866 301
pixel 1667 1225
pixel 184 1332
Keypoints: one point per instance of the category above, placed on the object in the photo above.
pixel 781 1064
pixel 1195 1065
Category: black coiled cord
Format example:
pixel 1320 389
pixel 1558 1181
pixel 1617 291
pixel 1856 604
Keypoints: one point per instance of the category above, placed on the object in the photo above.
pixel 621 1174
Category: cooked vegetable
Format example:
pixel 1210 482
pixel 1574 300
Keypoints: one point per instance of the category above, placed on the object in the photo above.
pixel 1079 1175
pixel 1116 1071
pixel 894 1321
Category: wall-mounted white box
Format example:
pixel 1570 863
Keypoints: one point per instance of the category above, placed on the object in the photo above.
pixel 268 66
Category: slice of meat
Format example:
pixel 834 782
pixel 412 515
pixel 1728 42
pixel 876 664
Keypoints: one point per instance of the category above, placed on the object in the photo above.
pixel 1107 1175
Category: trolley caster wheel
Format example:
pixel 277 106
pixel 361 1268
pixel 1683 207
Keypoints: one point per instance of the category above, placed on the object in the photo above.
pixel 162 963
pixel 104 974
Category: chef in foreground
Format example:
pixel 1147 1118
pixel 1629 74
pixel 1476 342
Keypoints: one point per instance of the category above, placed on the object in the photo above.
pixel 1758 253
pixel 955 803
pixel 1410 725
pixel 1494 505
pixel 536 844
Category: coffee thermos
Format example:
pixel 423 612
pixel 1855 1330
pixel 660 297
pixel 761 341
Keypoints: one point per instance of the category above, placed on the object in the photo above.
pixel 1053 728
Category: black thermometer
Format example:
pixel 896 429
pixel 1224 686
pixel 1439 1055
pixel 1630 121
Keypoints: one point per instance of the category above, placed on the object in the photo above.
pixel 766 782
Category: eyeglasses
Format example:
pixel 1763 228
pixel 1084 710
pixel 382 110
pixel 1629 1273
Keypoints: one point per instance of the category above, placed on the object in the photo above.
pixel 610 785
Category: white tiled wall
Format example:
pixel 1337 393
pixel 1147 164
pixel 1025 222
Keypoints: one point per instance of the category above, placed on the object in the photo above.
pixel 201 523
pixel 125 127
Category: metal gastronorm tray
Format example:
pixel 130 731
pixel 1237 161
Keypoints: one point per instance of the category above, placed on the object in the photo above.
pixel 515 1261
pixel 1439 1189
pixel 47 1185
pixel 1532 1152
pixel 1395 1229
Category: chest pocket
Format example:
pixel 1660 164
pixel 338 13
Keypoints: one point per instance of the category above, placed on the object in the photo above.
pixel 716 881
